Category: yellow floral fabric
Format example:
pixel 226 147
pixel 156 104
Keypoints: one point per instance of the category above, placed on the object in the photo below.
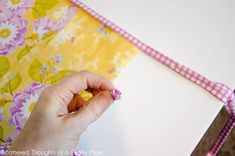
pixel 52 39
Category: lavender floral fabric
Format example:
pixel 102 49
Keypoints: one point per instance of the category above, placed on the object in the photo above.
pixel 42 41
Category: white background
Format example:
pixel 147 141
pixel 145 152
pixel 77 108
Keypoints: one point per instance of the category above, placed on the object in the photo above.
pixel 160 112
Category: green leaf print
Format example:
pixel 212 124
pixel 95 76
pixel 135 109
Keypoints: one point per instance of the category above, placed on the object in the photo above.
pixel 22 53
pixel 4 65
pixel 41 6
pixel 1 134
pixel 12 84
pixel 48 34
pixel 60 74
pixel 34 71
pixel 3 102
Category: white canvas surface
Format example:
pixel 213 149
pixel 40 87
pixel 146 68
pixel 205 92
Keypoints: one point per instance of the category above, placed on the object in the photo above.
pixel 161 113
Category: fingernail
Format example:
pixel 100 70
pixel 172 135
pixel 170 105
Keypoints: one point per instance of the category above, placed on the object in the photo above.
pixel 116 94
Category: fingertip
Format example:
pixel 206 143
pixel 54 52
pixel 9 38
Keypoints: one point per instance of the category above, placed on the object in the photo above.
pixel 116 94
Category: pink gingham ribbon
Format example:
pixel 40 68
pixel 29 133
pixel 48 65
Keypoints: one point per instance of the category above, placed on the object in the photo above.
pixel 219 90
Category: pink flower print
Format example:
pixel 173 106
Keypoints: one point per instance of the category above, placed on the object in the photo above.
pixel 58 58
pixel 6 145
pixel 1 114
pixel 12 34
pixel 41 27
pixel 23 104
pixel 17 7
pixel 63 16
pixel 56 23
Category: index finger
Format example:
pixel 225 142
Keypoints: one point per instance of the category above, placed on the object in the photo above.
pixel 82 80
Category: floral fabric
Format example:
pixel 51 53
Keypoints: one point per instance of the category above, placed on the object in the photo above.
pixel 42 41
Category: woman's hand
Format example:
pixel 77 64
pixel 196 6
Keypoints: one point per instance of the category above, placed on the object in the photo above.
pixel 61 115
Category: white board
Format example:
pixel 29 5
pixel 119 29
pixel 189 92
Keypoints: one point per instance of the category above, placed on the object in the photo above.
pixel 161 113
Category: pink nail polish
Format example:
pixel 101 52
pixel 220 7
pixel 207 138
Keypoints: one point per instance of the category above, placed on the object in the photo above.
pixel 116 94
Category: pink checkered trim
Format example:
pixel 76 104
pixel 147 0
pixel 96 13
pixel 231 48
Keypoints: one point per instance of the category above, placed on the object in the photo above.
pixel 219 90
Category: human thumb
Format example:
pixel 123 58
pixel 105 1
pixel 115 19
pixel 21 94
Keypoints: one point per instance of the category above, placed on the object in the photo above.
pixel 94 108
